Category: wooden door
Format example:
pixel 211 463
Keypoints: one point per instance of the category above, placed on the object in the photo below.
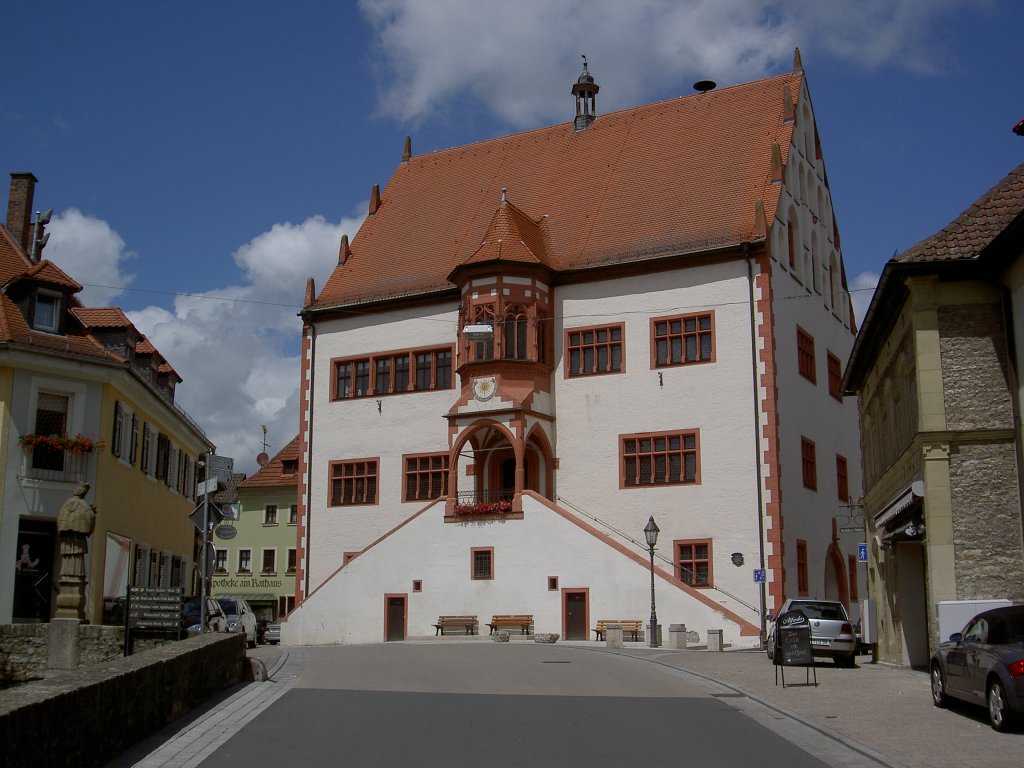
pixel 575 614
pixel 394 617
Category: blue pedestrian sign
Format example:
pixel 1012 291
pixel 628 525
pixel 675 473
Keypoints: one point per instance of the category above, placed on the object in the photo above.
pixel 862 553
pixel 759 576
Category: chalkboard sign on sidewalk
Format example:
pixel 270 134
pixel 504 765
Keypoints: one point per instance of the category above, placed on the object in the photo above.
pixel 792 644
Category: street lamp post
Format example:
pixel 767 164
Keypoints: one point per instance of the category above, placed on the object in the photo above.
pixel 651 531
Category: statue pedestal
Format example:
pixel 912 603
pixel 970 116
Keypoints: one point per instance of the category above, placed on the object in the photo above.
pixel 70 599
pixel 63 644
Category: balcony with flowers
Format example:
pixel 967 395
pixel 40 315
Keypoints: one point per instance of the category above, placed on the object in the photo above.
pixel 472 506
pixel 63 458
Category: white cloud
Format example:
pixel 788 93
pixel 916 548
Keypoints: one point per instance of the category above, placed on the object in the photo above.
pixel 517 58
pixel 861 291
pixel 82 245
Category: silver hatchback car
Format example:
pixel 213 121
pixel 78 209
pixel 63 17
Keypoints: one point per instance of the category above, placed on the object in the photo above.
pixel 240 618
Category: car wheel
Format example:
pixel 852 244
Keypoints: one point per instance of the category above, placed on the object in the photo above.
pixel 939 698
pixel 999 713
pixel 770 650
pixel 850 660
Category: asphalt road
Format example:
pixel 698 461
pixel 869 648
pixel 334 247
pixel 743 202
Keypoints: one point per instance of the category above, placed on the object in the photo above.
pixel 512 705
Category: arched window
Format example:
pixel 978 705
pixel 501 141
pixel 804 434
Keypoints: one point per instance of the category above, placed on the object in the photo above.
pixel 793 240
pixel 483 314
pixel 834 285
pixel 515 340
pixel 815 263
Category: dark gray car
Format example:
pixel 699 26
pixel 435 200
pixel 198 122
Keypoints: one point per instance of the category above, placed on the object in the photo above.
pixel 984 665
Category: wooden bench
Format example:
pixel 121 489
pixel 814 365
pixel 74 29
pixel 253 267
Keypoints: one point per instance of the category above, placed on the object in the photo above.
pixel 523 621
pixel 468 623
pixel 632 626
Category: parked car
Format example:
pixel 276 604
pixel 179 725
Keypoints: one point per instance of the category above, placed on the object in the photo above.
pixel 984 664
pixel 240 618
pixel 215 620
pixel 273 634
pixel 832 633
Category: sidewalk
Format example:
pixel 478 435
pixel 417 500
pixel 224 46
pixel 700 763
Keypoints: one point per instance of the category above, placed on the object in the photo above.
pixel 888 710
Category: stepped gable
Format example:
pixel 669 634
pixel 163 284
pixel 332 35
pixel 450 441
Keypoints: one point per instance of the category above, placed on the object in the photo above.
pixel 970 233
pixel 667 178
pixel 280 470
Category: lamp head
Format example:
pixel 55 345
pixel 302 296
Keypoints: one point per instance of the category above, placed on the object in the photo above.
pixel 651 531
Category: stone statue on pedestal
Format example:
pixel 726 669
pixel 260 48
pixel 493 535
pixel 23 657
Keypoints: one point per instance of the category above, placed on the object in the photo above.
pixel 75 521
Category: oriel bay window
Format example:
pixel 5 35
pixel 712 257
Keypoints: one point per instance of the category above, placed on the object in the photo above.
pixel 660 458
pixel 683 339
pixel 353 482
pixel 391 373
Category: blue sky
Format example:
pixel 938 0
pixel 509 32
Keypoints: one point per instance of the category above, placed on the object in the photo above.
pixel 204 157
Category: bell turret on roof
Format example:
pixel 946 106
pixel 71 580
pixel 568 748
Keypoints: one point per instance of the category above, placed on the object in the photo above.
pixel 585 90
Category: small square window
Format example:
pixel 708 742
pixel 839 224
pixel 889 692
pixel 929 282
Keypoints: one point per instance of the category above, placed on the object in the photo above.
pixel 417 585
pixel 552 583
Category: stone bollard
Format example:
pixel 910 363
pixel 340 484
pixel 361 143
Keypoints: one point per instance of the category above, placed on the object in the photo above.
pixel 715 640
pixel 613 635
pixel 677 637
pixel 500 637
pixel 545 637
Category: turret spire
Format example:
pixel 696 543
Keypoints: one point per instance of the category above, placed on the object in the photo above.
pixel 585 90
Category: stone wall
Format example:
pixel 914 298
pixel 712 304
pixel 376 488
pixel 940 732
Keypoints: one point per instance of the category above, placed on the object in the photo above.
pixel 88 716
pixel 986 522
pixel 975 380
pixel 24 648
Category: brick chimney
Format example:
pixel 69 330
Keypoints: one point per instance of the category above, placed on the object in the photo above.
pixel 19 208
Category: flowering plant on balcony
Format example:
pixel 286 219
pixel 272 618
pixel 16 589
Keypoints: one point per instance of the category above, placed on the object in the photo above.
pixel 65 443
pixel 497 507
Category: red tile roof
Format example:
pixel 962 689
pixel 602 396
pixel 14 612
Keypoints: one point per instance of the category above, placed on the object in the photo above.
pixel 973 230
pixel 671 177
pixel 272 473
pixel 102 317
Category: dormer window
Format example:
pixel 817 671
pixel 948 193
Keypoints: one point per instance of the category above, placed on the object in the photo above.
pixel 46 316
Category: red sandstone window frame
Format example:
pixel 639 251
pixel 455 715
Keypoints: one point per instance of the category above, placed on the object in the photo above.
pixel 344 489
pixel 671 336
pixel 851 562
pixel 403 369
pixel 835 376
pixel 595 341
pixel 805 361
pixel 431 468
pixel 842 479
pixel 652 453
pixel 481 564
pixel 690 556
pixel 809 463
pixel 801 567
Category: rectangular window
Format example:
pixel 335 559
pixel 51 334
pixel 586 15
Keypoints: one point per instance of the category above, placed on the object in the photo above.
pixel 683 340
pixel 133 447
pixel 269 561
pixel 390 373
pixel 426 476
pixel 835 376
pixel 552 583
pixel 483 563
pixel 660 458
pixel 842 479
pixel 594 350
pixel 805 355
pixel 163 456
pixel 115 437
pixel 693 562
pixel 293 514
pixel 852 564
pixel 51 420
pixel 417 585
pixel 353 482
pixel 147 439
pixel 270 514
pixel 291 560
pixel 801 567
pixel 245 561
pixel 809 464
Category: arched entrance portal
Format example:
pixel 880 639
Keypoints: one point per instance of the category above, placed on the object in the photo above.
pixel 490 464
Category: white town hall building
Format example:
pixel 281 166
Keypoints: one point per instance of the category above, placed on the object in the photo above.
pixel 538 342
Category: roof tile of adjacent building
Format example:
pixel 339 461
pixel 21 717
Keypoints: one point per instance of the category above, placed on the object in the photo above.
pixel 672 177
pixel 970 233
pixel 276 471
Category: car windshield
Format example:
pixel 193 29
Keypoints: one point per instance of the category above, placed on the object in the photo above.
pixel 823 611
pixel 228 606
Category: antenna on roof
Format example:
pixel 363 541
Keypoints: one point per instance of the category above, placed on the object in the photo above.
pixel 704 85
pixel 263 458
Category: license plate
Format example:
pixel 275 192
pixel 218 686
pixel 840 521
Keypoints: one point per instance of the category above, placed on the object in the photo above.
pixel 824 643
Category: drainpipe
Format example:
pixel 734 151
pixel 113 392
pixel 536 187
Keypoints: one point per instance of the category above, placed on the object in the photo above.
pixel 758 453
